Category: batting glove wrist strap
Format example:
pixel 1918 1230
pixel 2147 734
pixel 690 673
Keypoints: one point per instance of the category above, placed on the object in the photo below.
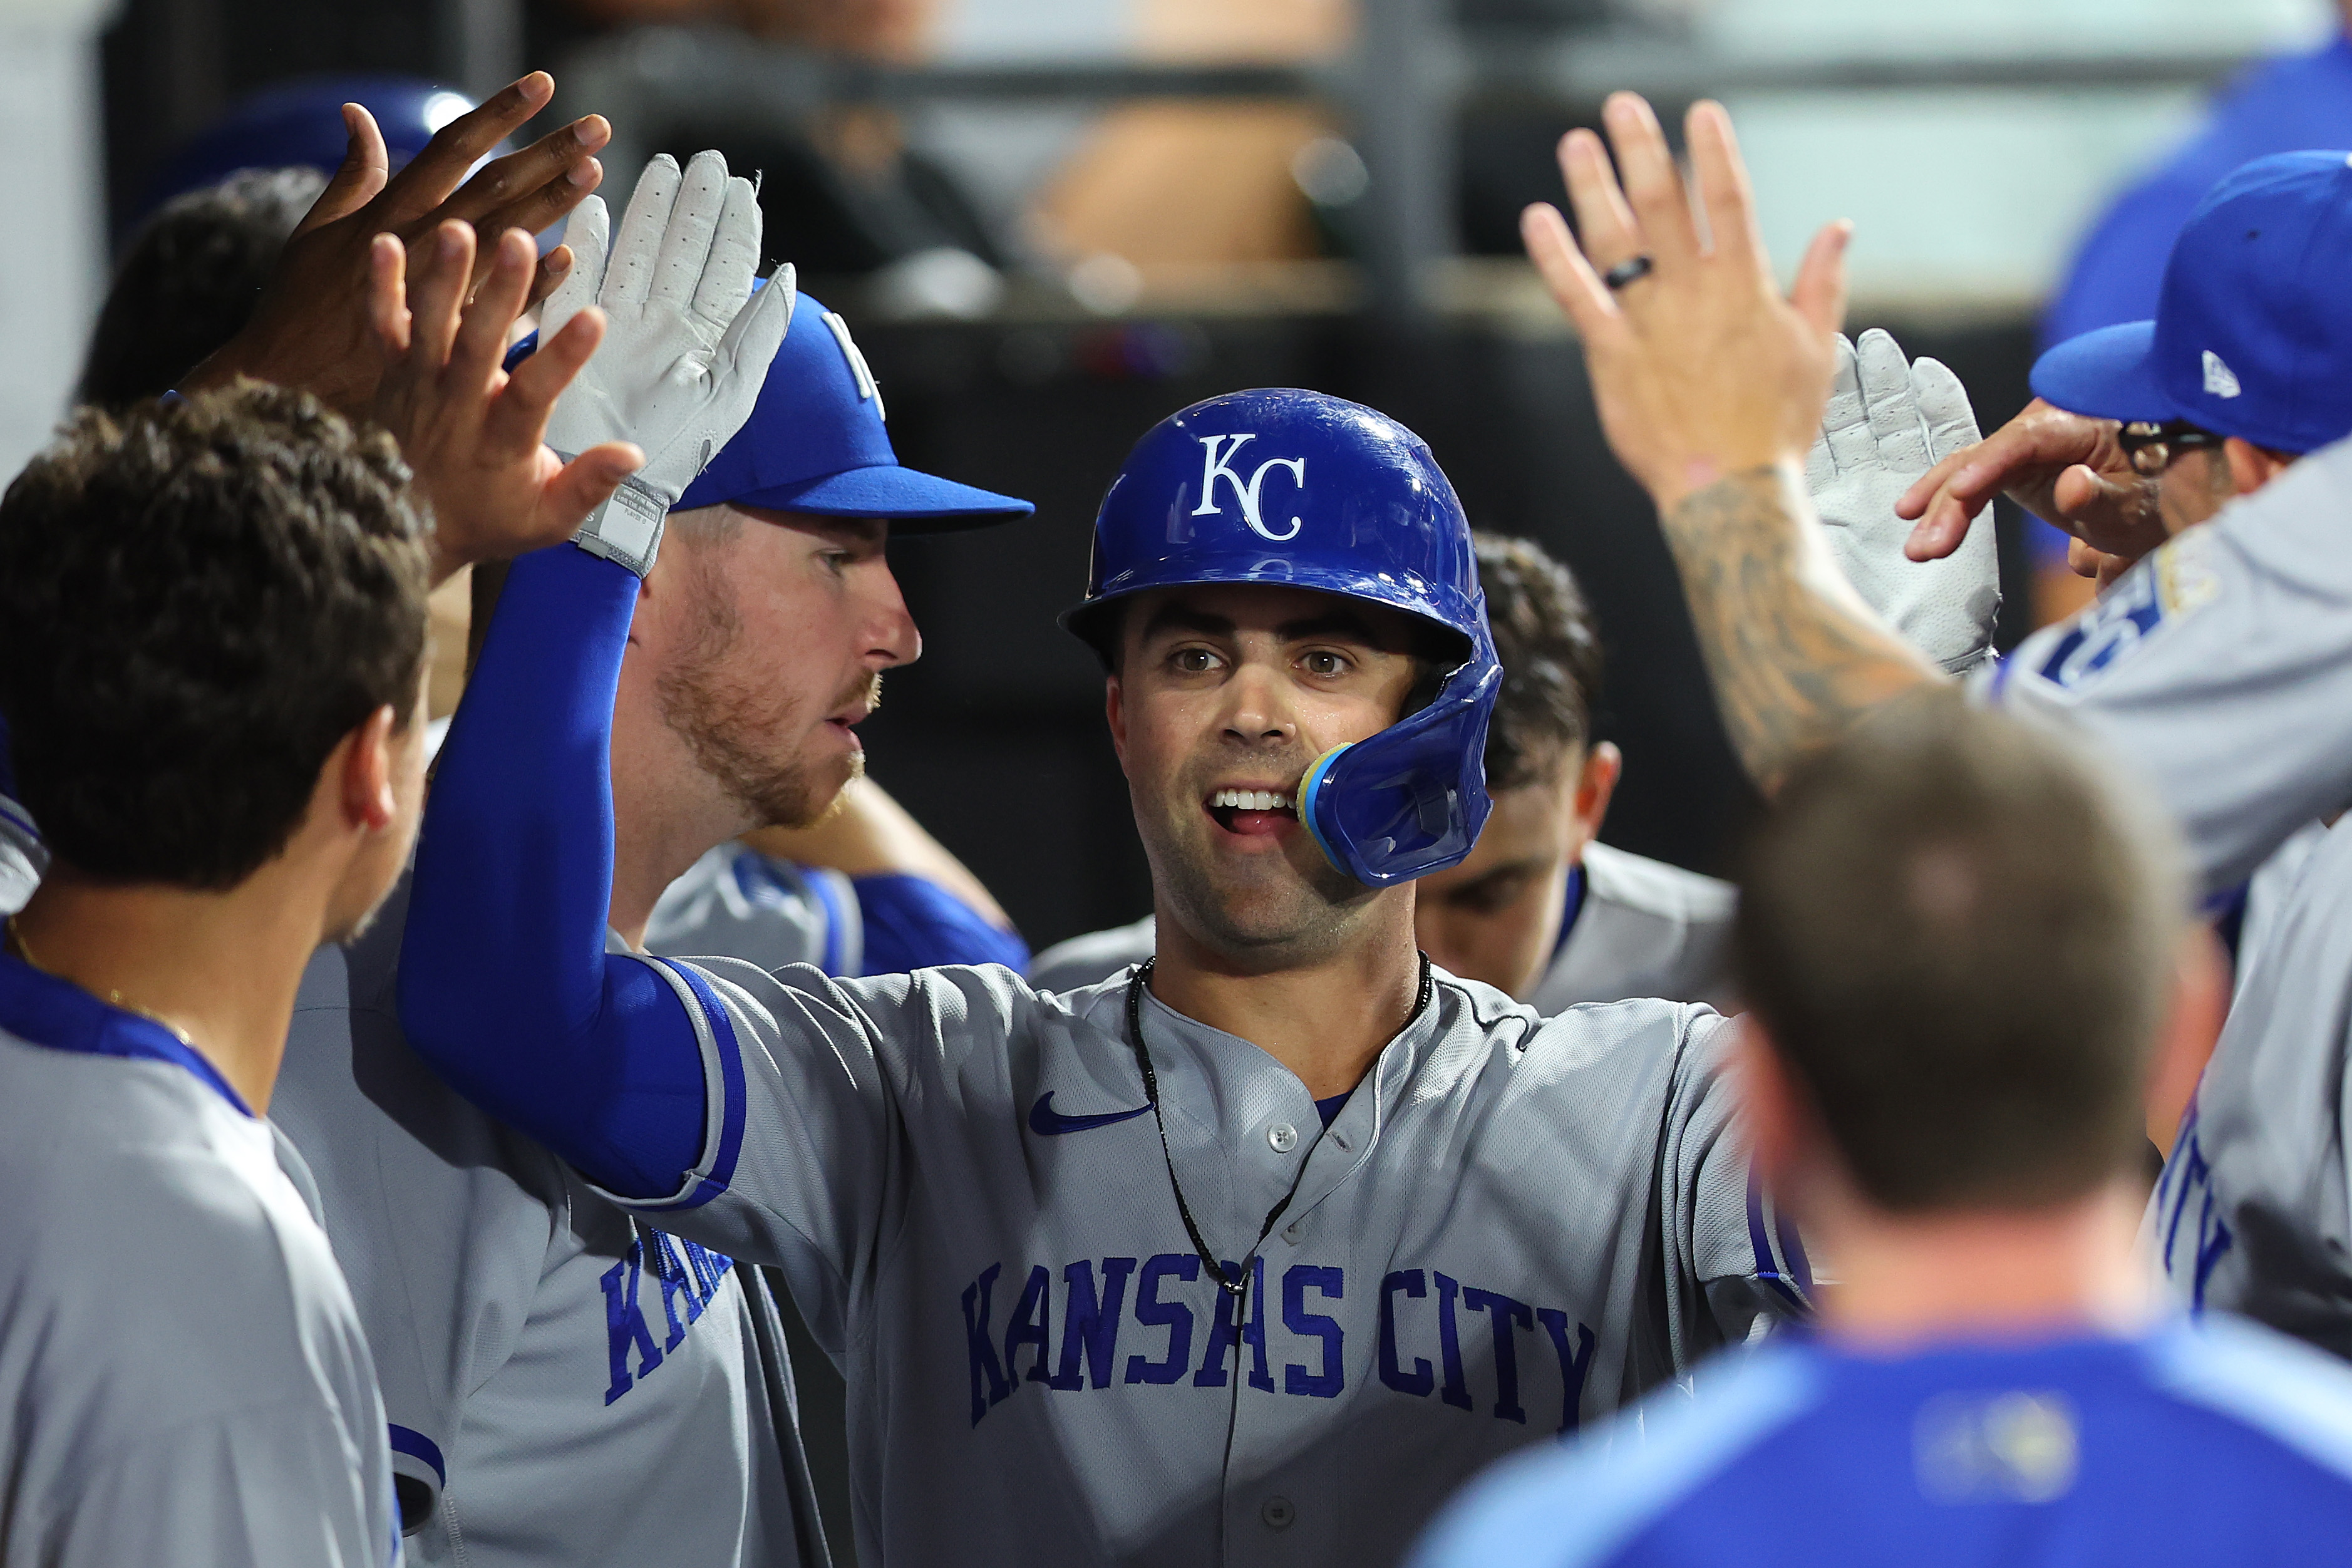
pixel 628 528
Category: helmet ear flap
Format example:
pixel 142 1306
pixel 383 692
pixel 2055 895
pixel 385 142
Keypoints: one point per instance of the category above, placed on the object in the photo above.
pixel 1411 799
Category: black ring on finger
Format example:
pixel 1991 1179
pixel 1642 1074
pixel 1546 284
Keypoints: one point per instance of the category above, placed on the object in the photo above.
pixel 1631 270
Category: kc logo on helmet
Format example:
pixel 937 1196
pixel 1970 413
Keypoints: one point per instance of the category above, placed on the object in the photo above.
pixel 1216 461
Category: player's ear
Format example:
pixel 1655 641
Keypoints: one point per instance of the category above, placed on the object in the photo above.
pixel 1115 711
pixel 1596 781
pixel 364 767
pixel 2251 467
pixel 2201 999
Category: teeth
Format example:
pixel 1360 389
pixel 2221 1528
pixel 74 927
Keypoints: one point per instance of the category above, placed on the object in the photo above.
pixel 1252 799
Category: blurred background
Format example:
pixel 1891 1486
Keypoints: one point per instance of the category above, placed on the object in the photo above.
pixel 1052 222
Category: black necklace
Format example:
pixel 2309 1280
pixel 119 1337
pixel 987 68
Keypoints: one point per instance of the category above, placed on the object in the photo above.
pixel 1235 1285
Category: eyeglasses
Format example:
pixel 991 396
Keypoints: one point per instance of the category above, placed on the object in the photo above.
pixel 2151 448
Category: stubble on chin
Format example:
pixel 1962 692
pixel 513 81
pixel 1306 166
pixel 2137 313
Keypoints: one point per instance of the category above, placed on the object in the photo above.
pixel 1259 909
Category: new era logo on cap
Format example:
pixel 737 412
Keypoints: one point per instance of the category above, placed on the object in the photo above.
pixel 2219 379
pixel 2253 335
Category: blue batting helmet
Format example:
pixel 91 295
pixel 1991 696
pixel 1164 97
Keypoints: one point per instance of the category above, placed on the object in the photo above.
pixel 1304 490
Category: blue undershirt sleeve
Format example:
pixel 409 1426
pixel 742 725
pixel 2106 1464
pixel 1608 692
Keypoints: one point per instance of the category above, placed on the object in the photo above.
pixel 911 922
pixel 505 983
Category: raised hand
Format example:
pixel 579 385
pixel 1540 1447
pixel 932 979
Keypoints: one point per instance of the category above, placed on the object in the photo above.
pixel 1710 387
pixel 689 344
pixel 1889 421
pixel 2061 467
pixel 312 327
pixel 1700 369
pixel 472 433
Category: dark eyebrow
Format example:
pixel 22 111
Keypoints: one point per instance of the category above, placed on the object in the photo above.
pixel 1524 867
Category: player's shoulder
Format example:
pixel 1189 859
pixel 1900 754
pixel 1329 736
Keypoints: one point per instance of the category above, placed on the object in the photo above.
pixel 741 903
pixel 2265 573
pixel 204 1239
pixel 1474 1015
pixel 1644 886
pixel 2292 1396
pixel 956 1006
pixel 1580 1504
pixel 1095 957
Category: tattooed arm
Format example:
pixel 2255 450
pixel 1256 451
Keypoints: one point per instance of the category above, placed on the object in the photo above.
pixel 1794 654
pixel 1711 387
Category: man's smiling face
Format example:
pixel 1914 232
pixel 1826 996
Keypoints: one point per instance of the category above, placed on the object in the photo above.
pixel 1223 695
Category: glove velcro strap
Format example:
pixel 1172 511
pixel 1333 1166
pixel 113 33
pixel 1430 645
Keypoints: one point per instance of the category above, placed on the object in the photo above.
pixel 628 528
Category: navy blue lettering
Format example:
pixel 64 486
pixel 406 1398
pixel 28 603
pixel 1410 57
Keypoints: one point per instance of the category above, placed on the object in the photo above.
pixel 1573 1365
pixel 675 1282
pixel 625 1325
pixel 2214 1238
pixel 1504 1312
pixel 1421 1380
pixel 1091 1323
pixel 1151 1311
pixel 1299 1278
pixel 709 1268
pixel 981 1345
pixel 1221 1334
pixel 1032 1324
pixel 1449 1343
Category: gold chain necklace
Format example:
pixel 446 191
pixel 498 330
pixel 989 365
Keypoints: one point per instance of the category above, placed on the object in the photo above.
pixel 114 998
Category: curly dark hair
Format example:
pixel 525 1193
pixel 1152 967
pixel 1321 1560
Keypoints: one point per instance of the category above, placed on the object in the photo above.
pixel 198 601
pixel 189 282
pixel 1551 654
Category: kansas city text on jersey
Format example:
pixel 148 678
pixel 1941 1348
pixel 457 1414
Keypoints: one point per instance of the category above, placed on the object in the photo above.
pixel 1174 1309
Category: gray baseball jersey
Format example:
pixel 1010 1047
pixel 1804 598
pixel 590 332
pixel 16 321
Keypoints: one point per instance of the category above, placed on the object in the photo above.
pixel 1513 1226
pixel 22 857
pixel 2254 1209
pixel 1644 929
pixel 2219 668
pixel 184 1375
pixel 748 905
pixel 564 1384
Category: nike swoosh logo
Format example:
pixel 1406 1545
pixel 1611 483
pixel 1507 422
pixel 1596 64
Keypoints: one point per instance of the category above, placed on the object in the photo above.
pixel 1048 1122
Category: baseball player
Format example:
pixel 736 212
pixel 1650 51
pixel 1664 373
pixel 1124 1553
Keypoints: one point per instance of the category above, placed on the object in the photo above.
pixel 1254 1253
pixel 566 1385
pixel 1988 1383
pixel 1540 909
pixel 211 1397
pixel 222 732
pixel 2218 667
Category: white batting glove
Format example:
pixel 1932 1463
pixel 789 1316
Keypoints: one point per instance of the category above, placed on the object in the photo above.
pixel 1889 422
pixel 685 352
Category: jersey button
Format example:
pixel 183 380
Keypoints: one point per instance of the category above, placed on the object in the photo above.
pixel 1277 1512
pixel 1285 1138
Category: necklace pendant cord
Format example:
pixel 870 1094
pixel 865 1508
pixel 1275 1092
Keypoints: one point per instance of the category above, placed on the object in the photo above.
pixel 114 998
pixel 1237 1287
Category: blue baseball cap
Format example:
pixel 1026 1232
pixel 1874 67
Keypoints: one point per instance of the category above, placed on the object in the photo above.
pixel 815 443
pixel 2253 335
